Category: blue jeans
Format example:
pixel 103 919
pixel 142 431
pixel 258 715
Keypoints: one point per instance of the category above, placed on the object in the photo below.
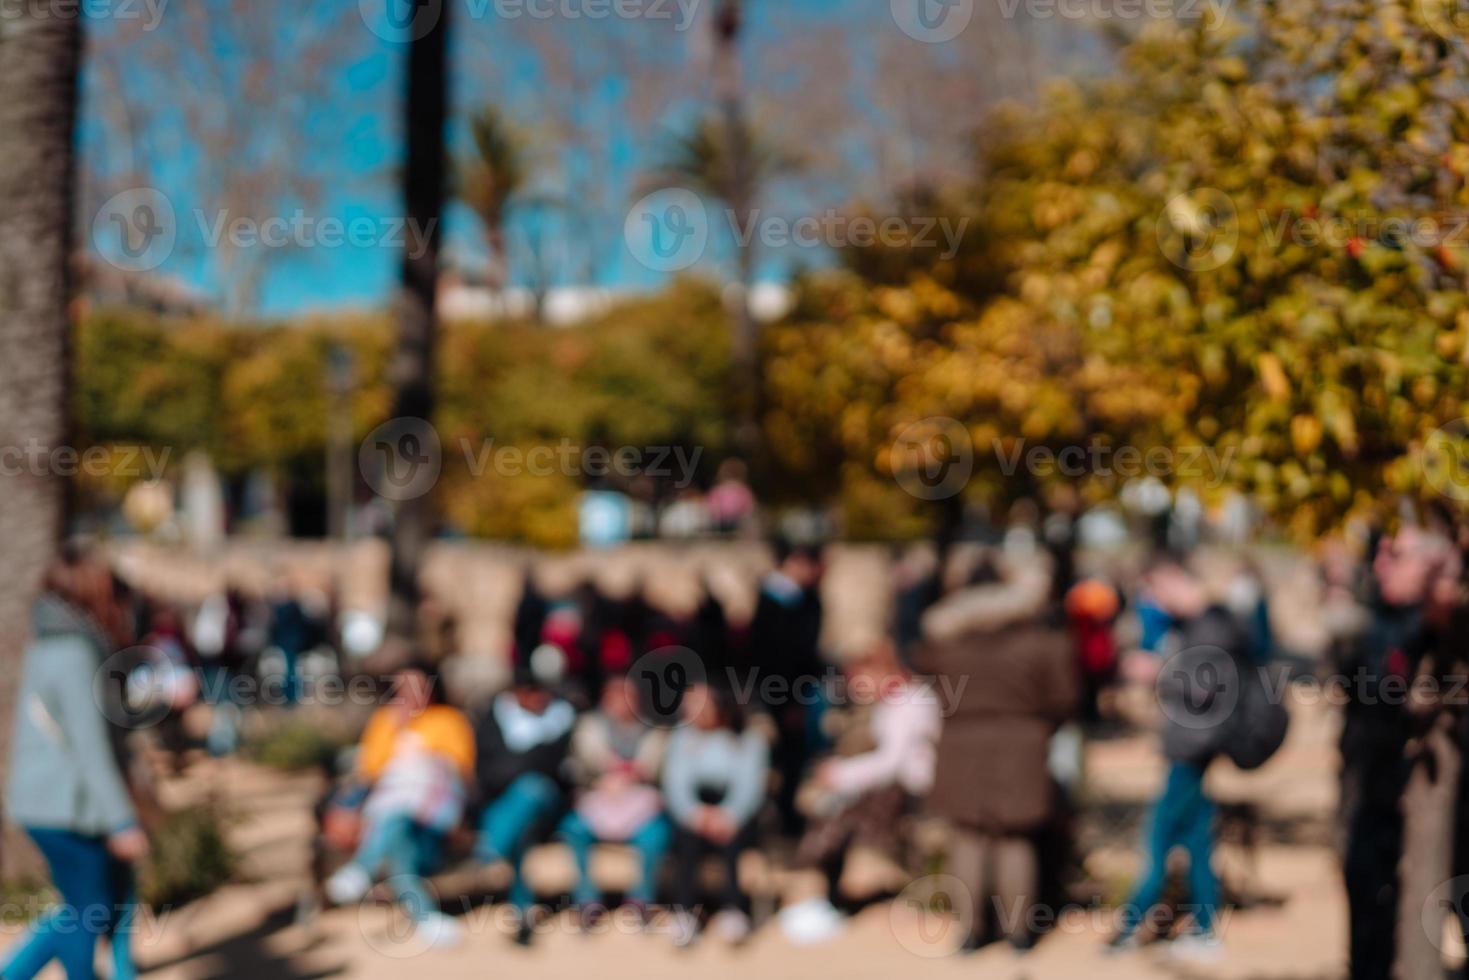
pixel 409 850
pixel 96 900
pixel 651 841
pixel 1182 817
pixel 506 826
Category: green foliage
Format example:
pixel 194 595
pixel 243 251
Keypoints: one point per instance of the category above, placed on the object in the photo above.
pixel 651 372
pixel 297 745
pixel 190 858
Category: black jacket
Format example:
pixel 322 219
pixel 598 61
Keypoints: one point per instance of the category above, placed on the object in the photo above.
pixel 497 765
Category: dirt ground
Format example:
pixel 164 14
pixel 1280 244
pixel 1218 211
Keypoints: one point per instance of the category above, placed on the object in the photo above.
pixel 1292 925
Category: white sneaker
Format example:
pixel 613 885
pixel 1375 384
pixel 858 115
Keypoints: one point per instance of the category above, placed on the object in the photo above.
pixel 1197 947
pixel 349 885
pixel 732 926
pixel 440 931
pixel 811 922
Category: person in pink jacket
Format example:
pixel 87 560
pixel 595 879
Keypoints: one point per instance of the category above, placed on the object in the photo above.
pixel 861 798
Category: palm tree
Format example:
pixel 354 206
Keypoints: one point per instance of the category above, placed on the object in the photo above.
pixel 491 180
pixel 412 367
pixel 39 57
pixel 722 159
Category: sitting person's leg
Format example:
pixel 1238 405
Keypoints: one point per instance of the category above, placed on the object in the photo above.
pixel 384 838
pixel 689 849
pixel 580 839
pixel 415 855
pixel 508 823
pixel 651 841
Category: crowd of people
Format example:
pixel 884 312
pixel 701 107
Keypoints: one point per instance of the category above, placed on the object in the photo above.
pixel 691 734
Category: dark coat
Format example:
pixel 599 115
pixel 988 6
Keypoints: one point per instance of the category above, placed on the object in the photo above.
pixel 1006 682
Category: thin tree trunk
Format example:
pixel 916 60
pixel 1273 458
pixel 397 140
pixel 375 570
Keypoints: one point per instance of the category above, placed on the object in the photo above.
pixel 729 82
pixel 1428 851
pixel 39 57
pixel 413 361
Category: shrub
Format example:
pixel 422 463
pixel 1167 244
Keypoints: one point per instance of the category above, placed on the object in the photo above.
pixel 190 859
pixel 297 745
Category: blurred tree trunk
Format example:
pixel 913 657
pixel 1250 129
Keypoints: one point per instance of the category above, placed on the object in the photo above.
pixel 412 368
pixel 39 56
pixel 1429 817
pixel 729 86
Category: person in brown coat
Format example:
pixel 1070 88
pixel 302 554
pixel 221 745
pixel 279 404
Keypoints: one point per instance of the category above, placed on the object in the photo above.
pixel 1007 682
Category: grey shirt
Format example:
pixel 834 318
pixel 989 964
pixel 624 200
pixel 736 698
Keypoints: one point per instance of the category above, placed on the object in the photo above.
pixel 64 772
pixel 736 765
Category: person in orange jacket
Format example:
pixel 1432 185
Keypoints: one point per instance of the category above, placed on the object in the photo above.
pixel 417 756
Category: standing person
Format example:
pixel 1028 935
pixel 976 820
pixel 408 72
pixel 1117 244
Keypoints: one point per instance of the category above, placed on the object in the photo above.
pixel 1376 727
pixel 617 758
pixel 863 797
pixel 67 786
pixel 522 741
pixel 290 633
pixel 714 780
pixel 1198 689
pixel 417 756
pixel 1091 609
pixel 785 637
pixel 1009 683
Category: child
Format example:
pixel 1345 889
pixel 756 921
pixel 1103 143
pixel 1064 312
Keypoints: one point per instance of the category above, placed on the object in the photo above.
pixel 617 758
pixel 417 755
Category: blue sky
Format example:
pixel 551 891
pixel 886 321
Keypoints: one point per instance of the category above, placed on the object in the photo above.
pixel 291 111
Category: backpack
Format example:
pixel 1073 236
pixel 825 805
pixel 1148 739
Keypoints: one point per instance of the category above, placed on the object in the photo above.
pixel 1260 722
